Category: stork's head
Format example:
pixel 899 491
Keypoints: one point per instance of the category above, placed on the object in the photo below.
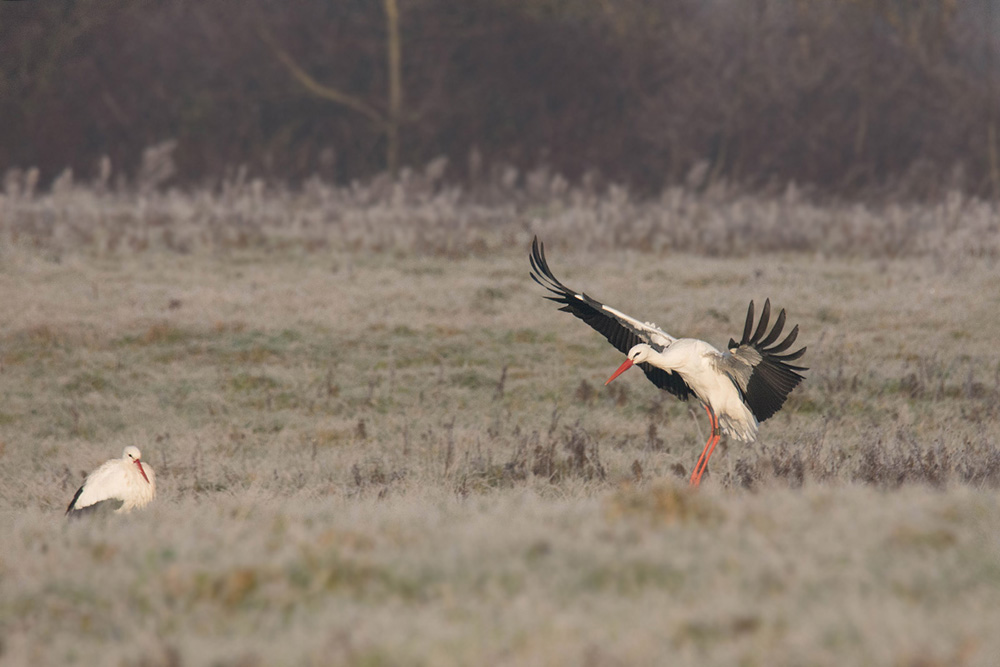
pixel 133 455
pixel 640 353
pixel 637 355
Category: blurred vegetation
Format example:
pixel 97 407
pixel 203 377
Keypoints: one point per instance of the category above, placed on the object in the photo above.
pixel 846 95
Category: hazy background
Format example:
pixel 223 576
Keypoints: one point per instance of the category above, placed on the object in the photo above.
pixel 283 248
pixel 852 96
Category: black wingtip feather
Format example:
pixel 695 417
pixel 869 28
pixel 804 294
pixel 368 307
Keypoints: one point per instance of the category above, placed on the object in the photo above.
pixel 746 327
pixel 792 356
pixel 622 336
pixel 787 343
pixel 772 378
pixel 69 508
pixel 765 315
pixel 776 330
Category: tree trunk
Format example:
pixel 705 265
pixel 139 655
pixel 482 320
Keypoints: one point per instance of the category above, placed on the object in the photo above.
pixel 395 88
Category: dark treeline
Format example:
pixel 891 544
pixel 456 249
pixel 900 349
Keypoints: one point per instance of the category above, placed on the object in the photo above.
pixel 846 95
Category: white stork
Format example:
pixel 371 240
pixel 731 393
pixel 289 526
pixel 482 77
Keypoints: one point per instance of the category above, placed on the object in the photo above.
pixel 739 388
pixel 120 483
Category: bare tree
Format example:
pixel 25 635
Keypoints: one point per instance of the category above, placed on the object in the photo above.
pixel 388 122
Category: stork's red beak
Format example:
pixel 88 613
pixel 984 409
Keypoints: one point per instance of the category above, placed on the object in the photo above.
pixel 143 472
pixel 621 369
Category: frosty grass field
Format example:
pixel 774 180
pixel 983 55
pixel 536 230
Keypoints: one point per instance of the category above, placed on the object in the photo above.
pixel 377 444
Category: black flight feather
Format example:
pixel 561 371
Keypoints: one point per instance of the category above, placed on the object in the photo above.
pixel 619 333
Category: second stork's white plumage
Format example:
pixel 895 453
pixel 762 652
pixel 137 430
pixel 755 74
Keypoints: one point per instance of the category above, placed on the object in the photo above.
pixel 123 484
pixel 739 387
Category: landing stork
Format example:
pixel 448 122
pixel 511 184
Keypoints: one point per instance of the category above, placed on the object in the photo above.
pixel 120 483
pixel 739 388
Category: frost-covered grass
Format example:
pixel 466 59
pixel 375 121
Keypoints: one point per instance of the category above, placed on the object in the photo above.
pixel 422 215
pixel 827 575
pixel 403 455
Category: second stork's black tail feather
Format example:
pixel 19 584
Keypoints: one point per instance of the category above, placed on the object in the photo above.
pixel 773 378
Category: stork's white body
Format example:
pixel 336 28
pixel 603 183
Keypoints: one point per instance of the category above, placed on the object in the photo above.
pixel 700 366
pixel 126 481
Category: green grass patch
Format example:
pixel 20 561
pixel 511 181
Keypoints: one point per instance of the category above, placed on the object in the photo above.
pixel 251 382
pixel 87 382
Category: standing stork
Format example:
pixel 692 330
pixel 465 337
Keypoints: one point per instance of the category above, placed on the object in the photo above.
pixel 739 388
pixel 120 483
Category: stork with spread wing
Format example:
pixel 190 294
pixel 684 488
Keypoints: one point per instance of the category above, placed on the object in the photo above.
pixel 739 387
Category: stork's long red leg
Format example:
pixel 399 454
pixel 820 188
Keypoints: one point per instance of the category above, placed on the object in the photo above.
pixel 706 453
pixel 711 434
pixel 710 446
